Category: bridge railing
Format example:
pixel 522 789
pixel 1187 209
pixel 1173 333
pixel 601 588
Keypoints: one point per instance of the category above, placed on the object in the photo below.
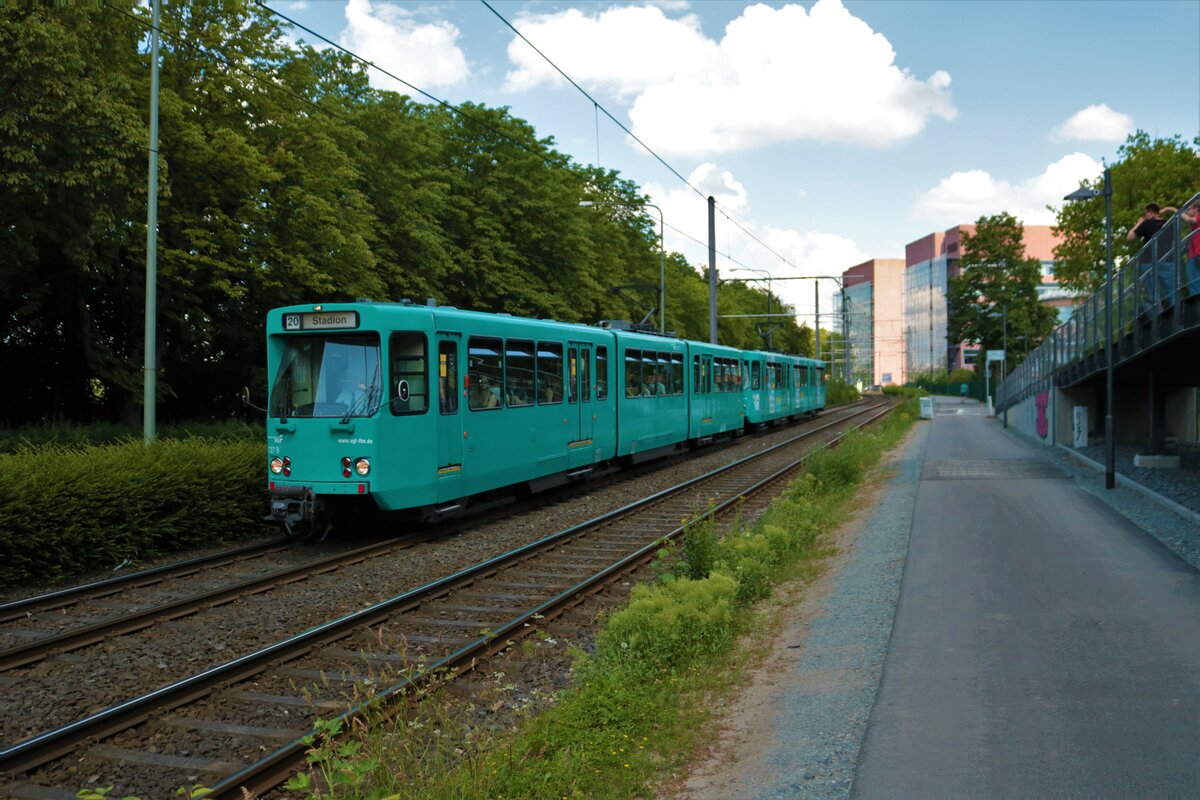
pixel 1149 283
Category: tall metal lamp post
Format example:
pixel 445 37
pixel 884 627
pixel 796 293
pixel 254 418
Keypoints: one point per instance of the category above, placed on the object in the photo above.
pixel 770 305
pixel 662 254
pixel 1110 458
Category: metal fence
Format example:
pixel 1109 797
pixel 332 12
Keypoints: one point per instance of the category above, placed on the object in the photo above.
pixel 1150 283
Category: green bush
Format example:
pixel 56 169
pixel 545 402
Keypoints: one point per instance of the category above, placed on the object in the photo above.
pixel 668 625
pixel 906 391
pixel 837 393
pixel 751 560
pixel 70 508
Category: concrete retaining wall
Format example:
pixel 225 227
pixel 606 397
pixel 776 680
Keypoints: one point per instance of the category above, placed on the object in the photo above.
pixel 1048 417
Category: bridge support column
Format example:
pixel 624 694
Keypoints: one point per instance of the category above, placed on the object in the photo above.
pixel 1157 443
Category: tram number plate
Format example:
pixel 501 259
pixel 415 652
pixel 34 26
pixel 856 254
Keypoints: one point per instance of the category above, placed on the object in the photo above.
pixel 323 320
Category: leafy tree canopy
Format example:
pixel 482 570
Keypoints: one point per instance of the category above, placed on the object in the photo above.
pixel 998 283
pixel 283 178
pixel 1147 170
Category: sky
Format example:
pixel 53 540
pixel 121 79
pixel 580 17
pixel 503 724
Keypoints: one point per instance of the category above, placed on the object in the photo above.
pixel 833 131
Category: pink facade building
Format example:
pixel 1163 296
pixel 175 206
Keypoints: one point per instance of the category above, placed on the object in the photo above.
pixel 873 301
pixel 930 263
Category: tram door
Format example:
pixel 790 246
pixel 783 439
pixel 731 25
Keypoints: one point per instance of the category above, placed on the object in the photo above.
pixel 450 421
pixel 581 407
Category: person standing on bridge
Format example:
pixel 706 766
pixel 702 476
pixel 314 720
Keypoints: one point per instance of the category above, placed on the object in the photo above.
pixel 1191 216
pixel 1155 283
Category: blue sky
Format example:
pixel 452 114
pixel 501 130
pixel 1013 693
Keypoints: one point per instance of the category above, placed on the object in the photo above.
pixel 834 130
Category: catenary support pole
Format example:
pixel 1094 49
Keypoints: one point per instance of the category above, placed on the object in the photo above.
pixel 712 270
pixel 817 316
pixel 1110 453
pixel 150 367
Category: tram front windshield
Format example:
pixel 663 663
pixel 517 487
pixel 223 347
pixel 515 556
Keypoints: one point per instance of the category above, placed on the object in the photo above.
pixel 328 376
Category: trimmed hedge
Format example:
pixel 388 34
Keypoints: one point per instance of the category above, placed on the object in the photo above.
pixel 69 433
pixel 67 509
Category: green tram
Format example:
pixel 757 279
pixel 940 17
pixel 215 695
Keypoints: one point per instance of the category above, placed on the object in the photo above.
pixel 399 407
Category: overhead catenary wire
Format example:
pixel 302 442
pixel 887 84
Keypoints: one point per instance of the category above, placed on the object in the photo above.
pixel 595 103
pixel 196 48
pixel 433 98
pixel 545 157
pixel 619 124
pixel 597 107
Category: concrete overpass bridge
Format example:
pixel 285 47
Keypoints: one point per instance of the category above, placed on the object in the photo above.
pixel 1156 355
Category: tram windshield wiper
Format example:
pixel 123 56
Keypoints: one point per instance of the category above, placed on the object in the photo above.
pixel 364 405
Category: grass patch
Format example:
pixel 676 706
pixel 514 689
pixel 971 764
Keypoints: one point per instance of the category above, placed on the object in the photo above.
pixel 642 697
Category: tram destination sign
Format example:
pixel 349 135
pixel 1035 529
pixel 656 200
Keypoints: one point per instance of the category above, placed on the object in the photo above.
pixel 320 321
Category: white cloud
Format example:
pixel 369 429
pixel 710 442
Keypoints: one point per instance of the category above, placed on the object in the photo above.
pixel 425 54
pixel 812 252
pixel 778 74
pixel 963 197
pixel 622 50
pixel 1096 123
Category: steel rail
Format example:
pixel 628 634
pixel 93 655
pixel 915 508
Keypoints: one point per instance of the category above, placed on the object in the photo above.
pixel 38 649
pixel 49 745
pixel 18 609
pixel 277 767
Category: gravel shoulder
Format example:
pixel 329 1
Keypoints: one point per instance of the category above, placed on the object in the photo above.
pixel 795 730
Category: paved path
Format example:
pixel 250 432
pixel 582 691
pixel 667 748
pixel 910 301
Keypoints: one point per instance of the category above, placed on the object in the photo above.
pixel 1042 646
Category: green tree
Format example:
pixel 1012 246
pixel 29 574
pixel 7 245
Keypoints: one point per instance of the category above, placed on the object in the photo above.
pixel 1164 171
pixel 997 280
pixel 72 171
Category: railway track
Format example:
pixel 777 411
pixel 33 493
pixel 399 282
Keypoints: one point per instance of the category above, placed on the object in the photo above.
pixel 132 618
pixel 227 716
pixel 36 627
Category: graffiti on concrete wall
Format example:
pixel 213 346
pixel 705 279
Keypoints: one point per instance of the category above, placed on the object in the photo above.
pixel 1042 423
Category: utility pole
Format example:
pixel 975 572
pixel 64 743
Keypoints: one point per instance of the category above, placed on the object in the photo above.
pixel 817 316
pixel 150 366
pixel 712 270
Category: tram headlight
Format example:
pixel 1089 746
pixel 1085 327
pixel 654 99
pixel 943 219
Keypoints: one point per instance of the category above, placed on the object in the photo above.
pixel 362 466
pixel 277 465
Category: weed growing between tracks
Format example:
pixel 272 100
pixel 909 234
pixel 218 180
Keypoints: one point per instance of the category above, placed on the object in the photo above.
pixel 641 698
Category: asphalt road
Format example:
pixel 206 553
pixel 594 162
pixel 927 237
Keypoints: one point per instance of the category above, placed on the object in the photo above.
pixel 1043 645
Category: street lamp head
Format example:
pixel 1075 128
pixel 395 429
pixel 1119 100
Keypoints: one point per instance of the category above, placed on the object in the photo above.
pixel 1083 193
pixel 586 204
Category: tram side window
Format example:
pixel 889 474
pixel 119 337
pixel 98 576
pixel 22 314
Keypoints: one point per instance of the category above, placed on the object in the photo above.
pixel 756 376
pixel 408 374
pixel 802 375
pixel 485 377
pixel 601 373
pixel 719 374
pixel 662 374
pixel 676 373
pixel 633 373
pixel 697 376
pixel 649 374
pixel 448 377
pixel 518 374
pixel 549 373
